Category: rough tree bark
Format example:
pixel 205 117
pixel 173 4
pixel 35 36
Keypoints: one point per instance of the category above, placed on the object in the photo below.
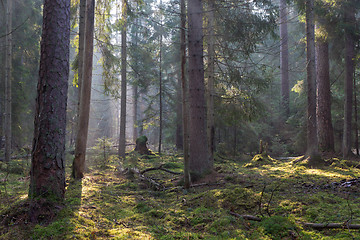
pixel 122 137
pixel 47 175
pixel 198 149
pixel 323 110
pixel 84 110
pixel 349 71
pixel 184 95
pixel 284 59
pixel 8 76
pixel 312 140
pixel 210 77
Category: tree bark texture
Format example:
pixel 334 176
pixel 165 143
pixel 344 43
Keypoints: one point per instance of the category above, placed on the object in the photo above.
pixel 284 58
pixel 179 113
pixel 8 79
pixel 323 110
pixel 47 176
pixel 210 77
pixel 122 137
pixel 198 149
pixel 312 140
pixel 84 110
pixel 160 93
pixel 349 71
pixel 184 88
pixel 82 16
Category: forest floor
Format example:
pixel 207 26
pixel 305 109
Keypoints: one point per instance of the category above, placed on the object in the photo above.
pixel 112 203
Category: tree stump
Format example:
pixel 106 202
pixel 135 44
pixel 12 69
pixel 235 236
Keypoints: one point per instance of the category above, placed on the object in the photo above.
pixel 141 146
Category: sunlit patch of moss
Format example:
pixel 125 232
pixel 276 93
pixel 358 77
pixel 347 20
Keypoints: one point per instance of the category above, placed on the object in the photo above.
pixel 260 159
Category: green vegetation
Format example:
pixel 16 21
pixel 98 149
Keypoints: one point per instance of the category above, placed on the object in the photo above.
pixel 107 204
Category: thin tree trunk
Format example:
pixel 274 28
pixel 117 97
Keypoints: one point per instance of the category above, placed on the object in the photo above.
pixel 198 150
pixel 82 16
pixel 179 126
pixel 47 175
pixel 323 110
pixel 210 83
pixel 356 120
pixel 184 96
pixel 122 137
pixel 284 58
pixel 160 95
pixel 135 91
pixel 8 79
pixel 82 134
pixel 312 140
pixel 349 71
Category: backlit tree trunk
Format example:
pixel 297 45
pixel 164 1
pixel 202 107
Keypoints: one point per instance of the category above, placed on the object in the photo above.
pixel 312 140
pixel 284 58
pixel 122 137
pixel 84 110
pixel 198 150
pixel 47 176
pixel 323 110
pixel 349 71
pixel 8 77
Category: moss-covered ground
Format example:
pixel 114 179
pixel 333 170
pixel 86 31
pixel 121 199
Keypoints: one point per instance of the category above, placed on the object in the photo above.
pixel 109 203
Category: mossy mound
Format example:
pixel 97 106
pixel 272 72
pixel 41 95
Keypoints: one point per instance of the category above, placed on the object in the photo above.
pixel 240 200
pixel 260 159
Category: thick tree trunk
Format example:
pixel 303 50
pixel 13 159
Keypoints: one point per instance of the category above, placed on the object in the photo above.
pixel 210 83
pixel 284 59
pixel 47 176
pixel 184 88
pixel 198 150
pixel 356 130
pixel 8 77
pixel 312 140
pixel 349 71
pixel 323 110
pixel 122 137
pixel 84 110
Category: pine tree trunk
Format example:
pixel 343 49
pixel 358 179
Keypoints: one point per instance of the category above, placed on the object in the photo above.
pixel 8 79
pixel 160 96
pixel 349 71
pixel 198 150
pixel 184 88
pixel 84 110
pixel 122 137
pixel 312 140
pixel 135 92
pixel 284 58
pixel 323 110
pixel 179 126
pixel 47 176
pixel 210 84
pixel 81 48
pixel 356 120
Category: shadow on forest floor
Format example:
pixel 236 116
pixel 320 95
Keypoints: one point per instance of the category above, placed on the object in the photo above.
pixel 109 204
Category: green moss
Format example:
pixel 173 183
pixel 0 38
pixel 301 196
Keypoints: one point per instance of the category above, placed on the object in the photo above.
pixel 259 160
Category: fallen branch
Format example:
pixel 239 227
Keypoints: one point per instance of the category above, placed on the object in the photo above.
pixel 160 168
pixel 320 226
pixel 157 186
pixel 246 217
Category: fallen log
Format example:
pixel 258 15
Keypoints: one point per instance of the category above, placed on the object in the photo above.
pixel 317 226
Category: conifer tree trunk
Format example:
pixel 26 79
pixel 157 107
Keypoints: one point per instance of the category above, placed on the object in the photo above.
pixel 349 71
pixel 82 16
pixel 179 126
pixel 356 120
pixel 198 150
pixel 47 175
pixel 84 110
pixel 160 94
pixel 210 83
pixel 284 59
pixel 323 110
pixel 135 92
pixel 184 89
pixel 312 140
pixel 8 79
pixel 122 137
